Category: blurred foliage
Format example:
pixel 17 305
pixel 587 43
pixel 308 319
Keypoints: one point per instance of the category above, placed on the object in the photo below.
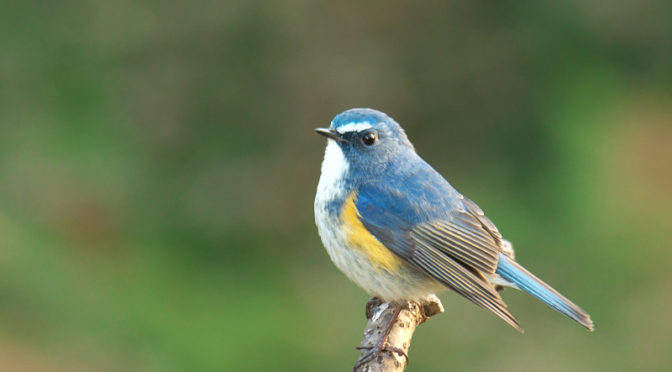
pixel 158 169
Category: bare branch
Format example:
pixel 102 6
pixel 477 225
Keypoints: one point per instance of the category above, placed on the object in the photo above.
pixel 393 356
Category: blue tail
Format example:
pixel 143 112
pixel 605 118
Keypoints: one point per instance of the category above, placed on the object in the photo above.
pixel 512 272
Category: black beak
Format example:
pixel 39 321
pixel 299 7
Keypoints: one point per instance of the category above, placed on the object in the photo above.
pixel 332 134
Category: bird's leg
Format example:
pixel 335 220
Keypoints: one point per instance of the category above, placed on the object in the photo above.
pixel 382 343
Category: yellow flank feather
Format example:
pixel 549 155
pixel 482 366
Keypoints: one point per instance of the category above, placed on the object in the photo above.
pixel 360 238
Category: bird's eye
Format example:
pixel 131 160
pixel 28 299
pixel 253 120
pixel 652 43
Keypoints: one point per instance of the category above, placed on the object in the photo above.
pixel 370 138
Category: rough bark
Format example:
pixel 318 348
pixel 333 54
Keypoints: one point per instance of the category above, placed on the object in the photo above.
pixel 379 313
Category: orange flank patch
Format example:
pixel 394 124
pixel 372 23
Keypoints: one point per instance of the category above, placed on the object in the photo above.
pixel 360 238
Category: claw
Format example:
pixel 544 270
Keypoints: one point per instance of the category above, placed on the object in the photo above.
pixel 382 345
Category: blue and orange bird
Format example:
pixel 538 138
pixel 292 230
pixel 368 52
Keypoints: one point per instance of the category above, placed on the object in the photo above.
pixel 400 231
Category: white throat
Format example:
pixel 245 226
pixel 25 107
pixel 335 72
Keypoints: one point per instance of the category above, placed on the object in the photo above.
pixel 334 168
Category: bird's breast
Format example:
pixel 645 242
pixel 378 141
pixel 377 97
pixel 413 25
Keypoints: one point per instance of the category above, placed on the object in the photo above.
pixel 362 258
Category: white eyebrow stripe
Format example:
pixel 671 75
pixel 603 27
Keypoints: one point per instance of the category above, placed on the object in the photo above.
pixel 354 127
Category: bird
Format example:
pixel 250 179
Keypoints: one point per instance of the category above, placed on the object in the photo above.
pixel 394 226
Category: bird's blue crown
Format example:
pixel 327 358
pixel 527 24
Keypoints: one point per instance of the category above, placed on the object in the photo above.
pixel 376 119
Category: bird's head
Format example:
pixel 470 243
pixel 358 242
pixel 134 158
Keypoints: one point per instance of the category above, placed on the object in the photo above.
pixel 368 139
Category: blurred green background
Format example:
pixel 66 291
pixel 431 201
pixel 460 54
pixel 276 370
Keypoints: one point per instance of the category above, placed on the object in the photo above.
pixel 158 169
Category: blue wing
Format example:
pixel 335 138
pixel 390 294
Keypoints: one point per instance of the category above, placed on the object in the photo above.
pixel 423 220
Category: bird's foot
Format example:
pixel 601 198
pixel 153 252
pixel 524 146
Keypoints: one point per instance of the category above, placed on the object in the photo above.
pixel 376 350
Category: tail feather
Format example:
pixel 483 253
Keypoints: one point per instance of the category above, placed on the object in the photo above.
pixel 527 282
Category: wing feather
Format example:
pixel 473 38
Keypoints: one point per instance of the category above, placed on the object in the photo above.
pixel 477 252
pixel 464 238
pixel 459 279
pixel 486 224
pixel 449 244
